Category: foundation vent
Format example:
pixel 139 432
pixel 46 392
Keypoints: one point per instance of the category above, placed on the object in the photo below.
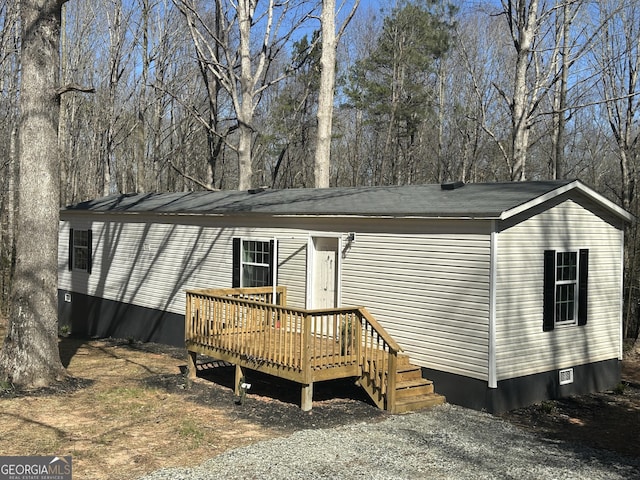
pixel 566 376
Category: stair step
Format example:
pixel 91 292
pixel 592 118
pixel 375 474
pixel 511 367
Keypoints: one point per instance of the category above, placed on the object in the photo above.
pixel 411 404
pixel 412 392
pixel 403 360
pixel 413 388
pixel 408 372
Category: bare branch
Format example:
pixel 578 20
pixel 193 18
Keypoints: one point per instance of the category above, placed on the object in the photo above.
pixel 192 179
pixel 74 87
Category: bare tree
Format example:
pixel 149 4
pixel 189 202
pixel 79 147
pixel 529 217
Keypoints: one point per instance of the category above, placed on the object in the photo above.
pixel 239 54
pixel 78 131
pixel 9 80
pixel 330 40
pixel 545 49
pixel 117 22
pixel 30 356
pixel 474 113
pixel 616 62
pixel 618 58
pixel 564 19
pixel 524 23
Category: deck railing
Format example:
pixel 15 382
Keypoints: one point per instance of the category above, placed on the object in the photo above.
pixel 308 344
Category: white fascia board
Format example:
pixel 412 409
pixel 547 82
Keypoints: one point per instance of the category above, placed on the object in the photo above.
pixel 621 286
pixel 493 279
pixel 575 185
pixel 380 217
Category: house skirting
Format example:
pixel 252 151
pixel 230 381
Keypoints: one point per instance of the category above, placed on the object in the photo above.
pixel 522 391
pixel 88 316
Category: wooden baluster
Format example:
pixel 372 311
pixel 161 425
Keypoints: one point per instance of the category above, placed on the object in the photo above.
pixel 231 308
pixel 264 331
pixel 289 333
pixel 248 345
pixel 297 341
pixel 336 344
pixel 280 316
pixel 187 318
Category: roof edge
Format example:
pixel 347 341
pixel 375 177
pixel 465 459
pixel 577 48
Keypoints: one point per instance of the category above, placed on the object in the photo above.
pixel 574 185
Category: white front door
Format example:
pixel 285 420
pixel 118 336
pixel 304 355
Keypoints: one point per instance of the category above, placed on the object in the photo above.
pixel 324 272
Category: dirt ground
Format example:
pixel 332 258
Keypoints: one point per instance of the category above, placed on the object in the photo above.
pixel 128 410
pixel 607 420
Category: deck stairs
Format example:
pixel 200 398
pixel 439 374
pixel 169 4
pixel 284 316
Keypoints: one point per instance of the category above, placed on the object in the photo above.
pixel 412 392
pixel 253 328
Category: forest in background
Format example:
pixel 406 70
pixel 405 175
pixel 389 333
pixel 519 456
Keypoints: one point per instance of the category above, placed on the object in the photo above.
pixel 168 95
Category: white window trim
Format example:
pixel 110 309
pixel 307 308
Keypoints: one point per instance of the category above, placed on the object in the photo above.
pixel 274 254
pixel 76 247
pixel 576 290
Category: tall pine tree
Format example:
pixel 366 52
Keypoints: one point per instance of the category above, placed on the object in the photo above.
pixel 394 84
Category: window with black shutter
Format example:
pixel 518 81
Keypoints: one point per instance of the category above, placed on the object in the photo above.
pixel 565 288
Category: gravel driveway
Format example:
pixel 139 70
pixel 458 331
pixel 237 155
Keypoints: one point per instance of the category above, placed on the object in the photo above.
pixel 446 442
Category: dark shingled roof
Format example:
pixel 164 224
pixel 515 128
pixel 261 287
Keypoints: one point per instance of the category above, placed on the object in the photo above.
pixel 475 200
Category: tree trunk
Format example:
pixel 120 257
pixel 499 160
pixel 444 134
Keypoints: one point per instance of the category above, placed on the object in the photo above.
pixel 63 130
pixel 559 119
pixel 526 25
pixel 30 356
pixel 441 119
pixel 142 133
pixel 326 93
pixel 245 112
pixel 111 167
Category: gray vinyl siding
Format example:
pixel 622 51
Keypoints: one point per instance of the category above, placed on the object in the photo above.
pixel 430 291
pixel 151 264
pixel 522 348
pixel 426 281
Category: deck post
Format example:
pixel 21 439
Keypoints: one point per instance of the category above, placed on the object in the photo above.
pixel 359 340
pixel 306 401
pixel 391 380
pixel 305 350
pixel 239 375
pixel 191 365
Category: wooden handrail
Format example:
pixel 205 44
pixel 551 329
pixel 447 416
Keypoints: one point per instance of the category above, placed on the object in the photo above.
pixel 262 293
pixel 241 322
pixel 393 345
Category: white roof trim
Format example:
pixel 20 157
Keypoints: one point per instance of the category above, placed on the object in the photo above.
pixel 577 185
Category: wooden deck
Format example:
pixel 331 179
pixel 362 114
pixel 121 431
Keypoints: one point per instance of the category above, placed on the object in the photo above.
pixel 247 328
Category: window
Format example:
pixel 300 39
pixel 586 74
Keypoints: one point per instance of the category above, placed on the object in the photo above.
pixel 80 250
pixel 253 263
pixel 565 288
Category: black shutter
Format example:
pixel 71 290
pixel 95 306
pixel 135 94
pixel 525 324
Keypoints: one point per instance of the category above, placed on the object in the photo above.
pixel 89 250
pixel 70 249
pixel 272 259
pixel 549 306
pixel 583 273
pixel 236 263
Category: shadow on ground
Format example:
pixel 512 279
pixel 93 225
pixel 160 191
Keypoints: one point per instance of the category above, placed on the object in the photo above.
pixel 273 402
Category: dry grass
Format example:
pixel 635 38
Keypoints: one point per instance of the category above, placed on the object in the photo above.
pixel 129 411
pixel 117 426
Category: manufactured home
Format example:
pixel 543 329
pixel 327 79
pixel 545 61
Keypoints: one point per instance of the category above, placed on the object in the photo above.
pixel 503 294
